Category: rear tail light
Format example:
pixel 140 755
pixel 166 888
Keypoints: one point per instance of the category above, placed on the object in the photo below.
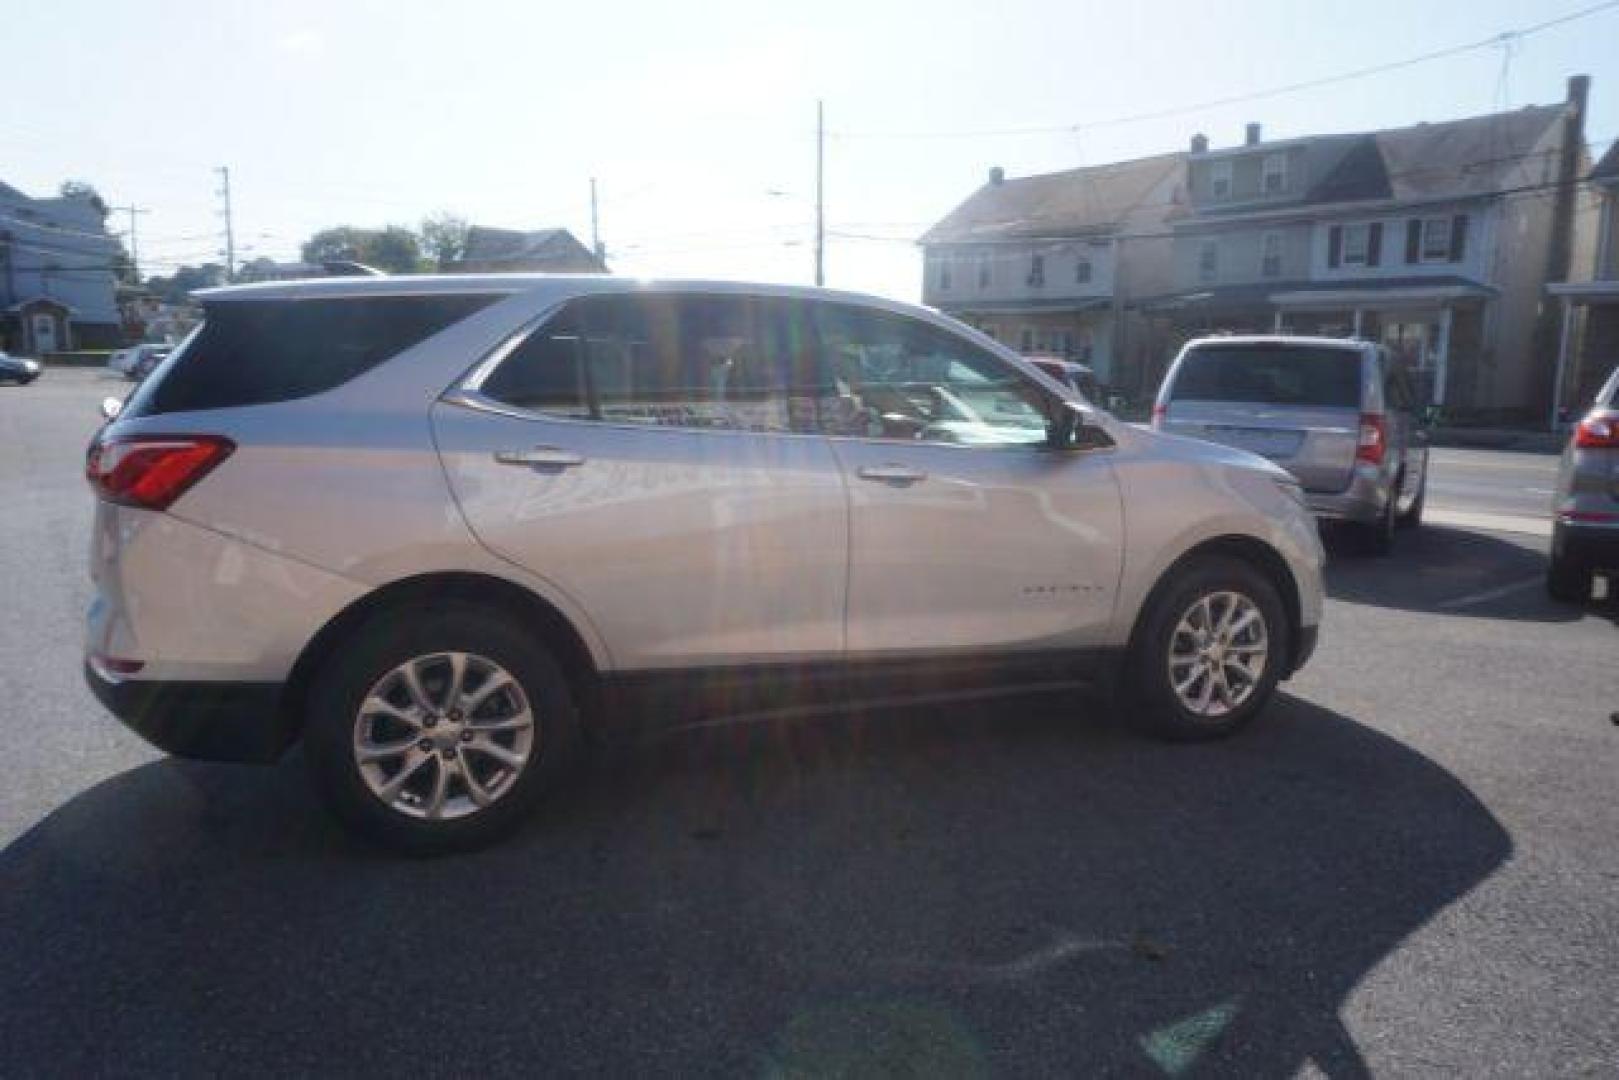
pixel 151 471
pixel 1372 440
pixel 1159 414
pixel 1599 430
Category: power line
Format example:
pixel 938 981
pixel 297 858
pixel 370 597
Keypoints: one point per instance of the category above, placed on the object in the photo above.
pixel 1493 41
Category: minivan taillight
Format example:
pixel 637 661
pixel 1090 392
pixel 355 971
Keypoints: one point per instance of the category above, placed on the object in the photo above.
pixel 1598 431
pixel 151 471
pixel 1372 439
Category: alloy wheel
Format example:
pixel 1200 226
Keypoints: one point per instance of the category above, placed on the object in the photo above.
pixel 1217 653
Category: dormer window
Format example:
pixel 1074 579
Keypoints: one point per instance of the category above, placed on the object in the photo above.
pixel 1220 179
pixel 1273 177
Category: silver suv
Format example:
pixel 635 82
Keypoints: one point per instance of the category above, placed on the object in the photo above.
pixel 441 528
pixel 1339 414
pixel 1585 534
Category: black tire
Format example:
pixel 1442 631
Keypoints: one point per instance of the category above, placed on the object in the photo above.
pixel 1568 580
pixel 377 647
pixel 1377 537
pixel 1149 693
pixel 1412 516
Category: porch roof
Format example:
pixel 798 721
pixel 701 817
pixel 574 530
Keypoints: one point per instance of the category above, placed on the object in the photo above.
pixel 1587 292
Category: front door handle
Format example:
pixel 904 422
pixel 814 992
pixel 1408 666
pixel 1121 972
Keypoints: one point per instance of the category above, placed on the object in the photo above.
pixel 544 456
pixel 892 474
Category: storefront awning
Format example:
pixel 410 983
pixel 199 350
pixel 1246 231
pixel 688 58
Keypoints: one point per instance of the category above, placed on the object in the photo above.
pixel 1028 307
pixel 1587 292
pixel 1382 297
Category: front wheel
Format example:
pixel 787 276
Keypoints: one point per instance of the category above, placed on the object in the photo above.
pixel 1208 652
pixel 435 730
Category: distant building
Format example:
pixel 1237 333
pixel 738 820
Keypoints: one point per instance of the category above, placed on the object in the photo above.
pixel 57 285
pixel 1588 308
pixel 546 251
pixel 1438 240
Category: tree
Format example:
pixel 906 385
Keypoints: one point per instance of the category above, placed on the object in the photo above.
pixel 444 238
pixel 83 189
pixel 394 249
pixel 173 289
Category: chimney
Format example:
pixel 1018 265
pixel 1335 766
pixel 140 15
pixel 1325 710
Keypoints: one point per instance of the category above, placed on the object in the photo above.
pixel 997 176
pixel 1579 88
pixel 1200 143
pixel 1251 135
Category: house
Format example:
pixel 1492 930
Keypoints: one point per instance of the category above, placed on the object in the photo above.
pixel 1437 239
pixel 546 251
pixel 1588 309
pixel 1042 263
pixel 57 281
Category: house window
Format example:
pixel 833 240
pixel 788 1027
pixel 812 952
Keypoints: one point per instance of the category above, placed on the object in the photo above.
pixel 1065 342
pixel 1435 239
pixel 1270 255
pixel 1037 271
pixel 1220 179
pixel 1082 271
pixel 1208 261
pixel 1357 245
pixel 944 275
pixel 985 273
pixel 1026 340
pixel 1273 177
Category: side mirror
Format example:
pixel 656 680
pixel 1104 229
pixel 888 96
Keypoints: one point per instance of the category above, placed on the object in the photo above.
pixel 1072 426
pixel 111 407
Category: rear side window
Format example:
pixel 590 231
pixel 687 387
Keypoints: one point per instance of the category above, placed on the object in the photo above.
pixel 1270 375
pixel 250 352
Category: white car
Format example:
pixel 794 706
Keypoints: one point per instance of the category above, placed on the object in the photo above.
pixel 137 362
pixel 439 528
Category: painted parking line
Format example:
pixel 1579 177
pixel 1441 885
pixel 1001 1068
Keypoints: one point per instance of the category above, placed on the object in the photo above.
pixel 1456 603
pixel 1508 523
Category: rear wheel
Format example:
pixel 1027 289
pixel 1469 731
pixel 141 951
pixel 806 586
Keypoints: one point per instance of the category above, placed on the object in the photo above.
pixel 1567 579
pixel 1208 652
pixel 436 730
pixel 1377 537
pixel 1411 516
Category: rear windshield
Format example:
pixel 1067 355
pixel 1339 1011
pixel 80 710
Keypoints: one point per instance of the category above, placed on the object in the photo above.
pixel 249 352
pixel 1271 375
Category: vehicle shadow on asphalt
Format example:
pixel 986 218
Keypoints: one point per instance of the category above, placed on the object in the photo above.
pixel 1458 572
pixel 999 887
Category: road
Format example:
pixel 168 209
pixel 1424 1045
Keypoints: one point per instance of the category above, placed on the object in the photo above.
pixel 1498 482
pixel 1407 866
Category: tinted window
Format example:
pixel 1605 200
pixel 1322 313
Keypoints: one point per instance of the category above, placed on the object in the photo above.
pixel 719 363
pixel 898 378
pixel 256 351
pixel 1270 375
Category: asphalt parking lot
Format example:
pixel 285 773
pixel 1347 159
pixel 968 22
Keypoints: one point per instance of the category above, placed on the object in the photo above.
pixel 1408 865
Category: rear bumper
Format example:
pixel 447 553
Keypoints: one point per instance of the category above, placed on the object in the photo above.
pixel 1362 501
pixel 1595 546
pixel 212 721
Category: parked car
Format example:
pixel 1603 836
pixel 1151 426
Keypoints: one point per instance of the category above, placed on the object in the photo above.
pixel 1070 373
pixel 439 528
pixel 1338 414
pixel 1585 505
pixel 137 361
pixel 17 369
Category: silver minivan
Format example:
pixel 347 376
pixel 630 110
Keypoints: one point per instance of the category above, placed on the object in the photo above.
pixel 1585 504
pixel 441 529
pixel 1340 415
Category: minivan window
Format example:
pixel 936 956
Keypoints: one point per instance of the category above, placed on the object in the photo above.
pixel 1315 375
pixel 707 362
pixel 251 352
pixel 898 378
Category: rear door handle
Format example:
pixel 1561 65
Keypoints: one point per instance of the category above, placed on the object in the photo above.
pixel 892 474
pixel 551 456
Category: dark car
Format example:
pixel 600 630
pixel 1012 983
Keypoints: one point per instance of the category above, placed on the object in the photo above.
pixel 18 370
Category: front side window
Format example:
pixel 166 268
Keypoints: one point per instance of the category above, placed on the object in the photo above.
pixel 713 363
pixel 899 378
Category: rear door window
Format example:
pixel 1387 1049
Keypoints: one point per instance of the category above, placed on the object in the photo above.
pixel 727 363
pixel 1309 375
pixel 251 352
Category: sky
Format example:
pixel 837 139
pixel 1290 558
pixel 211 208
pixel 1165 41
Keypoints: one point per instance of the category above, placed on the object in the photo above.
pixel 698 120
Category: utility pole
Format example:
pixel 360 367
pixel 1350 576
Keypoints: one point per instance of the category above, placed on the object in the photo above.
pixel 820 230
pixel 230 231
pixel 595 227
pixel 134 241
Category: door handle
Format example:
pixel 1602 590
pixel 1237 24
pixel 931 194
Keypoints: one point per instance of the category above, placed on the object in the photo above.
pixel 551 456
pixel 892 474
